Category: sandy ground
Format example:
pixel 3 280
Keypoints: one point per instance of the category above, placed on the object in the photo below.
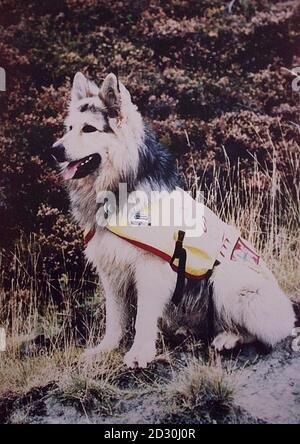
pixel 267 391
pixel 270 389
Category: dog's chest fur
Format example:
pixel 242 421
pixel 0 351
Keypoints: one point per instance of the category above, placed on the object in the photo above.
pixel 108 252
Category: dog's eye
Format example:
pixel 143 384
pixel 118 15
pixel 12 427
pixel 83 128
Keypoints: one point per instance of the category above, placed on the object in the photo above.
pixel 89 129
pixel 70 128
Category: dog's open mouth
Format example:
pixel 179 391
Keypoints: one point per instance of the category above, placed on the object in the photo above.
pixel 82 167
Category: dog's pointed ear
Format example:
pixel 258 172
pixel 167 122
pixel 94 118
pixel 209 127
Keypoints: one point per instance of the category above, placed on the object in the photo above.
pixel 82 88
pixel 110 94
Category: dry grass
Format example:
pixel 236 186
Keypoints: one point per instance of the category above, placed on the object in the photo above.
pixel 19 376
pixel 200 388
pixel 266 210
pixel 93 384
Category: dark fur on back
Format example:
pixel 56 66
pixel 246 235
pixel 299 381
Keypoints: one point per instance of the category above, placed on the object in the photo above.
pixel 156 165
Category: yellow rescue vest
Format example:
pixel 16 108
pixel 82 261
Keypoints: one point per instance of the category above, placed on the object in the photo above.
pixel 208 242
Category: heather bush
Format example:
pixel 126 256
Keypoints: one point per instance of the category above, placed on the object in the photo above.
pixel 212 80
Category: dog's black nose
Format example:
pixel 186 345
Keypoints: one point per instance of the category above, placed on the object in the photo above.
pixel 58 152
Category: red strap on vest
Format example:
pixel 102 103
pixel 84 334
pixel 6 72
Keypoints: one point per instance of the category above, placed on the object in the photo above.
pixel 89 235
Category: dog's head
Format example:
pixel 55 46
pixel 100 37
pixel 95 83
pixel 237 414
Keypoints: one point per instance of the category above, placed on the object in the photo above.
pixel 103 133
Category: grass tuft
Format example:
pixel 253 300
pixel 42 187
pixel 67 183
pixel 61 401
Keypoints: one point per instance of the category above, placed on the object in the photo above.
pixel 201 388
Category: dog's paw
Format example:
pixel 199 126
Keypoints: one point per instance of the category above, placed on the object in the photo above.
pixel 140 357
pixel 105 346
pixel 226 341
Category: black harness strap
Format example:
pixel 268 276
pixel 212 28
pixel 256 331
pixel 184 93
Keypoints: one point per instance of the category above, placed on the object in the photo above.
pixel 210 310
pixel 180 254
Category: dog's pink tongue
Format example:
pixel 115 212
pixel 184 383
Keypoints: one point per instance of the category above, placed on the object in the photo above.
pixel 70 170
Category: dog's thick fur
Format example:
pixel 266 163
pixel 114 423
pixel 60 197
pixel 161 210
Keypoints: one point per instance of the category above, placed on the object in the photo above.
pixel 247 306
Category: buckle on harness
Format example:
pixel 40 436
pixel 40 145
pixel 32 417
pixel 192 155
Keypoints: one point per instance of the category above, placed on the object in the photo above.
pixel 180 254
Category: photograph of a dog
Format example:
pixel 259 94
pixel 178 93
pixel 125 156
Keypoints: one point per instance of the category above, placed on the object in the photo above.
pixel 110 311
pixel 106 143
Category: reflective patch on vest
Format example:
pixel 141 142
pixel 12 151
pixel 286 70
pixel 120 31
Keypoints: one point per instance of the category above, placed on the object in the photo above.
pixel 243 253
pixel 139 220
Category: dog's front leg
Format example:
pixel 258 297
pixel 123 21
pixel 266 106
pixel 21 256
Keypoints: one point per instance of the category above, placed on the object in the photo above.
pixel 115 316
pixel 155 281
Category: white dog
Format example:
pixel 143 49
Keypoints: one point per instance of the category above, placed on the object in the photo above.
pixel 106 142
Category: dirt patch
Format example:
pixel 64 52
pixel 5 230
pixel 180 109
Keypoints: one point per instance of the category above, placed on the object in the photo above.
pixel 267 390
pixel 270 389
